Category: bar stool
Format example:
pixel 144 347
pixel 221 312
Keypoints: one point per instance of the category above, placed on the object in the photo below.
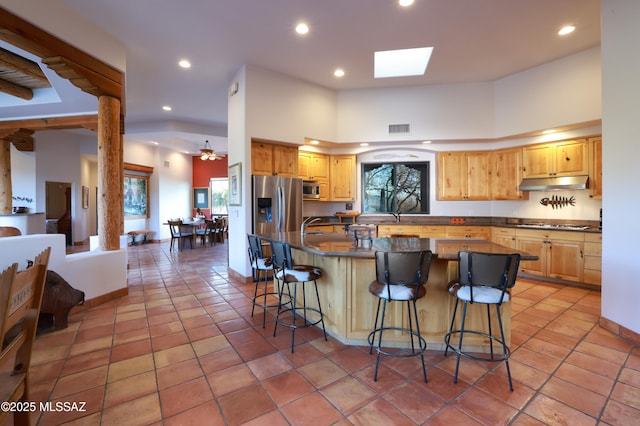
pixel 288 273
pixel 261 266
pixel 400 276
pixel 483 278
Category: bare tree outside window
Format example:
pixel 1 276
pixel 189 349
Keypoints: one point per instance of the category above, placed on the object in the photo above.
pixel 395 188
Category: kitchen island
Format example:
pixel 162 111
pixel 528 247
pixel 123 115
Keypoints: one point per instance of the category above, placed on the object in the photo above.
pixel 348 270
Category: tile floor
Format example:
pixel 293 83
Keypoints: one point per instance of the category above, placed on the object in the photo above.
pixel 182 348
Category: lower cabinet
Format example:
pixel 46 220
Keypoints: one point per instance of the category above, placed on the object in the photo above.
pixel 560 253
pixel 504 236
pixel 483 232
pixel 592 258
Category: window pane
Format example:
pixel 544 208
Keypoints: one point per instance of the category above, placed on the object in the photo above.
pixel 219 196
pixel 395 187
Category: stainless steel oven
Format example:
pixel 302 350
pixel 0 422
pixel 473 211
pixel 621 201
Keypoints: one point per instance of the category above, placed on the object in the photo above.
pixel 310 189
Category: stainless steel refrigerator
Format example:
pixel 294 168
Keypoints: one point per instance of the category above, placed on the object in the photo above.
pixel 277 204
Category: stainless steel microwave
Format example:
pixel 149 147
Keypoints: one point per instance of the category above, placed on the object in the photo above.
pixel 310 189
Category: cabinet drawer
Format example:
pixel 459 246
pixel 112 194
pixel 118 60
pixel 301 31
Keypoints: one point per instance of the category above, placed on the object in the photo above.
pixel 592 249
pixel 433 232
pixel 593 262
pixel 592 237
pixel 592 276
pixel 503 232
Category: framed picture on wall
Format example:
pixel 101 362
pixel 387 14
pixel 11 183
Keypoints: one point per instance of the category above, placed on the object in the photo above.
pixel 136 196
pixel 85 197
pixel 200 198
pixel 235 185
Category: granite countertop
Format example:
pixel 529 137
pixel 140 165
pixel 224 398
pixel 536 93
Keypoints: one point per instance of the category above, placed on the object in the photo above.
pixel 334 244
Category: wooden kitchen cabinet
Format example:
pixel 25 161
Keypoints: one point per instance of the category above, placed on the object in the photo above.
pixel 592 258
pixel 433 231
pixel 313 165
pixel 471 231
pixel 595 168
pixel 565 158
pixel 560 253
pixel 464 175
pixel 504 236
pixel 342 181
pixel 400 230
pixel 273 159
pixel 506 175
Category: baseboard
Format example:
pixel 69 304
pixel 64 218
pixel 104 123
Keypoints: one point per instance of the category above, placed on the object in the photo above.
pixel 100 300
pixel 238 277
pixel 620 331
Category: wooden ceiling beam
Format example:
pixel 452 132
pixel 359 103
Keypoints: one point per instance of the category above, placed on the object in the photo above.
pixel 21 138
pixel 87 80
pixel 23 66
pixel 52 123
pixel 16 90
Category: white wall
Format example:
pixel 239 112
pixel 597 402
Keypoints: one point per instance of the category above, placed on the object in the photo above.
pixel 23 177
pixel 621 150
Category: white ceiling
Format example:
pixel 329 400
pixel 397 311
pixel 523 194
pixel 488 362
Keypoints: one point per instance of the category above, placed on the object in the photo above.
pixel 474 40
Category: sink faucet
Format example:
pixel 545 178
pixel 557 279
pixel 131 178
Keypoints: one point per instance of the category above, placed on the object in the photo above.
pixel 396 215
pixel 308 221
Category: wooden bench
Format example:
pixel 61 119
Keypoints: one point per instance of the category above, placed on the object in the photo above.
pixel 143 232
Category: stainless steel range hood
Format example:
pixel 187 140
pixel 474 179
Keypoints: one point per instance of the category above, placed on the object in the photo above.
pixel 545 184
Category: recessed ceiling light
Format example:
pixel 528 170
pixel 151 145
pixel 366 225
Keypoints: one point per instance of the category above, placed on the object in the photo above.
pixel 184 63
pixel 402 62
pixel 405 3
pixel 302 28
pixel 364 144
pixel 566 30
pixel 546 132
pixel 166 108
pixel 339 72
pixel 426 142
pixel 314 142
pixel 154 143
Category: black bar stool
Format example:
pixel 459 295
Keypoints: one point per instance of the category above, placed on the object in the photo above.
pixel 483 278
pixel 262 267
pixel 400 276
pixel 288 273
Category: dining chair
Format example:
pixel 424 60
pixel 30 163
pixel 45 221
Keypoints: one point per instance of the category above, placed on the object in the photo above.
pixel 207 232
pixel 20 300
pixel 180 233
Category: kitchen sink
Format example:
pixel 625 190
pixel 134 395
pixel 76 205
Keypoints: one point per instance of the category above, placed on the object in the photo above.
pixel 567 226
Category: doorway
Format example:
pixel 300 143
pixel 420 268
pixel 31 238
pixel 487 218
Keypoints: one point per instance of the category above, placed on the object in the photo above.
pixel 58 209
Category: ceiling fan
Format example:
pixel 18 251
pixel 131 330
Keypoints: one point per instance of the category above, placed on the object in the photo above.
pixel 207 153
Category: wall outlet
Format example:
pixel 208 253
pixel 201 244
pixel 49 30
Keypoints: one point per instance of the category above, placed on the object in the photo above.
pixel 456 220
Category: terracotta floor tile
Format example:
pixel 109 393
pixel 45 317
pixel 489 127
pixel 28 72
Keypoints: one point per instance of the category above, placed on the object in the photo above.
pixel 498 385
pixel 348 394
pixel 536 360
pixel 130 388
pixel 165 329
pixel 451 415
pixel 322 372
pixel 209 345
pixel 271 418
pixel 230 379
pixel 594 364
pixel 287 387
pixel 574 396
pixel 585 379
pixel 78 382
pixel 92 399
pixel 616 413
pixel 130 367
pixel 87 334
pixel 146 409
pixel 177 373
pixel 414 401
pixel 176 354
pixel 379 412
pixel 130 350
pixel 207 413
pixel 43 372
pixel 547 348
pixel 85 361
pixel 245 404
pixel 312 409
pixel 601 352
pixel 169 341
pixel 184 396
pixel 485 408
pixel 255 349
pixel 552 412
pixel 628 395
pixel 269 366
pixel 219 360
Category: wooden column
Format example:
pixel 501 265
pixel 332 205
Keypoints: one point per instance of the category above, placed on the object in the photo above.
pixel 110 172
pixel 5 177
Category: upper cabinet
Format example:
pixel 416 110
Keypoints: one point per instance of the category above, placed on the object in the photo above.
pixel 566 158
pixel 343 178
pixel 595 166
pixel 463 175
pixel 274 159
pixel 313 165
pixel 506 175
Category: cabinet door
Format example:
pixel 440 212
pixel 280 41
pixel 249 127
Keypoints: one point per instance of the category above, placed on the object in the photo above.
pixel 537 160
pixel 343 177
pixel 565 260
pixel 595 171
pixel 504 236
pixel 261 158
pixel 483 232
pixel 571 158
pixel 506 166
pixel 319 167
pixel 478 186
pixel 303 165
pixel 536 247
pixel 285 161
pixel 452 172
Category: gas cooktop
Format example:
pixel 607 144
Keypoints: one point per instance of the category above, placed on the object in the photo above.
pixel 568 226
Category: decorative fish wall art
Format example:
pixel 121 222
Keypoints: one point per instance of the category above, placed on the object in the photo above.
pixel 557 202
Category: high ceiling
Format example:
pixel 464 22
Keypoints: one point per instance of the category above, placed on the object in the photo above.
pixel 474 41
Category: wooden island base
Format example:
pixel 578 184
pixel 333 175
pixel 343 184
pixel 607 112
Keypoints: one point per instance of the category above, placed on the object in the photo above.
pixel 349 308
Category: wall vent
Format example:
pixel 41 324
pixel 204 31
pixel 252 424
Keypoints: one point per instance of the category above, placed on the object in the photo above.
pixel 399 129
pixel 166 164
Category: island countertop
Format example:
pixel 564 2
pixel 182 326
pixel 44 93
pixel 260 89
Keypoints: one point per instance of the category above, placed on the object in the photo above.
pixel 335 244
pixel 347 270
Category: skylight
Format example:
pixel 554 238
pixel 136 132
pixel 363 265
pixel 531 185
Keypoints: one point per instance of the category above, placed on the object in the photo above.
pixel 401 63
